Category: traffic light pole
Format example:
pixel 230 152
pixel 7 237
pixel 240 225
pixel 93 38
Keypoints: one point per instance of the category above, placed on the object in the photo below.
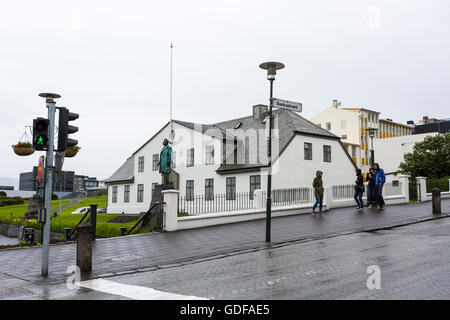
pixel 48 185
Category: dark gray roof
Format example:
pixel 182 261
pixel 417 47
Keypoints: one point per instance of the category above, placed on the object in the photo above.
pixel 289 124
pixel 124 173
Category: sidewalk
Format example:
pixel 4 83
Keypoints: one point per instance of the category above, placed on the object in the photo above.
pixel 128 254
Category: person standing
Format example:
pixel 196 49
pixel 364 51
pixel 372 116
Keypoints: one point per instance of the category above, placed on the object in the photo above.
pixel 371 198
pixel 380 179
pixel 318 192
pixel 359 189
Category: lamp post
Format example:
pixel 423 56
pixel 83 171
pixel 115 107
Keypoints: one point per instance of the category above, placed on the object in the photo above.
pixel 372 132
pixel 271 68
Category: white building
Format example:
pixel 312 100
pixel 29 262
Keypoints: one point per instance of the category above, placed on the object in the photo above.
pixel 230 157
pixel 352 126
pixel 389 152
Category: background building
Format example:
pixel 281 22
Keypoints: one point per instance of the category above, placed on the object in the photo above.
pixel 63 183
pixel 427 125
pixel 389 152
pixel 352 126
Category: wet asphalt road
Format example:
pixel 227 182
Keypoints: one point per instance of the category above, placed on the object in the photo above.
pixel 137 253
pixel 414 262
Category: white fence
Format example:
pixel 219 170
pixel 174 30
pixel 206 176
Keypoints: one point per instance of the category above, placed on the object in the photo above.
pixel 284 202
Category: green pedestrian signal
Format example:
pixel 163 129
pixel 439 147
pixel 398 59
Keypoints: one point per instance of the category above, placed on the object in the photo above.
pixel 40 133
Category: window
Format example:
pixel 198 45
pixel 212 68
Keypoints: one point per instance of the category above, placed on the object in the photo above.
pixel 155 160
pixel 231 188
pixel 326 153
pixel 190 157
pixel 209 155
pixel 114 194
pixel 126 193
pixel 328 126
pixel 189 190
pixel 343 124
pixel 255 184
pixel 308 151
pixel 353 151
pixel 153 187
pixel 140 193
pixel 141 164
pixel 209 189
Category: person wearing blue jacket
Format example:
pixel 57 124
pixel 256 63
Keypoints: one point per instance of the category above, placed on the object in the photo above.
pixel 380 179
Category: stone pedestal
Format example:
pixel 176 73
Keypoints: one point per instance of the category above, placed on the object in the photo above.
pixel 84 247
pixel 436 193
pixel 34 205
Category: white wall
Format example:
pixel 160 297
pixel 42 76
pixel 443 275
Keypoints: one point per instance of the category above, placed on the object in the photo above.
pixel 389 152
pixel 335 115
pixel 294 171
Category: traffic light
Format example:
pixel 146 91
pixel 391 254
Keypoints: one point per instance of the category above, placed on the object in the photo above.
pixel 64 129
pixel 40 133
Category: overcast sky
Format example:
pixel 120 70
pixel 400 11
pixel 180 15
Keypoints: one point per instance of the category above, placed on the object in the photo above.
pixel 110 62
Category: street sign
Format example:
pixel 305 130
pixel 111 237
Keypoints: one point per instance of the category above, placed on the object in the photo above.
pixel 42 215
pixel 285 104
pixel 40 168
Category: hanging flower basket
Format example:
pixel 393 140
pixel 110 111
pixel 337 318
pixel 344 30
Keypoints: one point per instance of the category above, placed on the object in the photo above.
pixel 72 151
pixel 23 149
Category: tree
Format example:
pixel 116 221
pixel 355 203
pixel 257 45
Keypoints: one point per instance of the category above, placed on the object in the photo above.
pixel 430 158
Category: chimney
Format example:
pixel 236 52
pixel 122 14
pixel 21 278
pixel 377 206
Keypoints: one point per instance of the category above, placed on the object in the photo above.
pixel 260 112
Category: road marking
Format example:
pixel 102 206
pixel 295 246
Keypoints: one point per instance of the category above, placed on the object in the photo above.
pixel 133 292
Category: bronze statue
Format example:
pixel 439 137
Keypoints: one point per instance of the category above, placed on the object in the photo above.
pixel 165 162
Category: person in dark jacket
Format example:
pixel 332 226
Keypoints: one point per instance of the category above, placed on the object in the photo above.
pixel 371 194
pixel 380 179
pixel 359 189
pixel 318 192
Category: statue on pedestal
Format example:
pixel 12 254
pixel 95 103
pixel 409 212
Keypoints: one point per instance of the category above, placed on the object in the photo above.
pixel 165 162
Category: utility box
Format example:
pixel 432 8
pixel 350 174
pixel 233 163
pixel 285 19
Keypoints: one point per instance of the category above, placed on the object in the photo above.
pixel 29 235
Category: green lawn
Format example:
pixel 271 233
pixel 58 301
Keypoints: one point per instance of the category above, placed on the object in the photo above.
pixel 67 219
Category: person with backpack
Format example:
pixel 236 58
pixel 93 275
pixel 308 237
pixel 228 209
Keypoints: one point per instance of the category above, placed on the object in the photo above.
pixel 371 194
pixel 318 192
pixel 359 189
pixel 380 179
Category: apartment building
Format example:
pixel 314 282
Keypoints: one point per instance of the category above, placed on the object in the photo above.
pixel 353 126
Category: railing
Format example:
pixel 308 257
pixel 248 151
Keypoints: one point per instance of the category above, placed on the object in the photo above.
pixel 144 216
pixel 88 211
pixel 282 197
pixel 441 184
pixel 200 204
pixel 344 191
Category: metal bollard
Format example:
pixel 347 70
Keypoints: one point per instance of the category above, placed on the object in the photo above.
pixel 93 220
pixel 67 232
pixel 123 230
pixel 84 247
pixel 436 199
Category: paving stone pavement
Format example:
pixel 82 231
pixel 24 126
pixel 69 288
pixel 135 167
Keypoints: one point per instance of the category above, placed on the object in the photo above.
pixel 168 249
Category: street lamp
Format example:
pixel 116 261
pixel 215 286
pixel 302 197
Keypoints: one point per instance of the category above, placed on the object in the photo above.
pixel 271 68
pixel 372 132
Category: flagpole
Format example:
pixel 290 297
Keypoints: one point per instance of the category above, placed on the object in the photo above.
pixel 171 98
